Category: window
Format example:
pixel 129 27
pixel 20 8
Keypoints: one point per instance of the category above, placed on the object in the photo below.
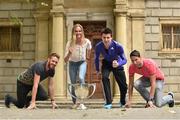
pixel 9 38
pixel 170 37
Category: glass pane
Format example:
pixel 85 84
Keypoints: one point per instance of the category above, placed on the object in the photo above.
pixel 4 39
pixel 176 41
pixel 166 36
pixel 9 38
pixel 176 29
pixel 176 32
pixel 15 39
pixel 167 42
pixel 166 29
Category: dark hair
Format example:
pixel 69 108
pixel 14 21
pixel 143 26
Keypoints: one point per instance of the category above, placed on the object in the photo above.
pixel 53 55
pixel 106 31
pixel 135 53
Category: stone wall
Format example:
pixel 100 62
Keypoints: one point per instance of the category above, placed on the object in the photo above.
pixel 155 10
pixel 19 60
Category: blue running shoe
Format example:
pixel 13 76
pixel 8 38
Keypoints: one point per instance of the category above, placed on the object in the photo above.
pixel 108 106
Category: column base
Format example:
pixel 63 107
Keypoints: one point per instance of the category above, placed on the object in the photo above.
pixel 60 97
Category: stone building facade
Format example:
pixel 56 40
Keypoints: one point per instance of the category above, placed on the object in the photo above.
pixel 45 26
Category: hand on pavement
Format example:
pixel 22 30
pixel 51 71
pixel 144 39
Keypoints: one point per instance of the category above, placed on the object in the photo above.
pixel 54 105
pixel 32 106
pixel 128 104
pixel 151 105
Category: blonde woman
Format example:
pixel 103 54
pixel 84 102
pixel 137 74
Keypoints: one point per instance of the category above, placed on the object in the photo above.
pixel 77 52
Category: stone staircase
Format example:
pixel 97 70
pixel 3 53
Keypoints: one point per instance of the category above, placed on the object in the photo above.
pixel 92 104
pixel 66 104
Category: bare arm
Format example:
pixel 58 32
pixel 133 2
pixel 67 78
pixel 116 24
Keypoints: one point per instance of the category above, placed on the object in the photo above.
pixel 35 87
pixel 68 52
pixel 51 88
pixel 153 85
pixel 130 91
pixel 88 54
pixel 66 58
pixel 34 91
pixel 51 92
pixel 152 90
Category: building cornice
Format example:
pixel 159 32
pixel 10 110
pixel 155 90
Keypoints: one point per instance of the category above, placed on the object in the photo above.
pixel 58 8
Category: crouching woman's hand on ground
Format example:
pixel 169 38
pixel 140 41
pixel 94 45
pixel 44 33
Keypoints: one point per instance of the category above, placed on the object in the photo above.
pixel 128 104
pixel 32 106
pixel 54 105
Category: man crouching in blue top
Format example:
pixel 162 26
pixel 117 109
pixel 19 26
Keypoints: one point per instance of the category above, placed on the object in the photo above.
pixel 113 60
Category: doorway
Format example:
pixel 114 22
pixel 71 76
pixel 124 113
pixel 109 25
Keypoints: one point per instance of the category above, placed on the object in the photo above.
pixel 92 31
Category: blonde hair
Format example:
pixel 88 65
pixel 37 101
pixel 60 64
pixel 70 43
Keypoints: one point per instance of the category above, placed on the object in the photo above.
pixel 73 38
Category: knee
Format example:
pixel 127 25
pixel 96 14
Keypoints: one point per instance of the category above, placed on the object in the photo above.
pixel 137 84
pixel 158 104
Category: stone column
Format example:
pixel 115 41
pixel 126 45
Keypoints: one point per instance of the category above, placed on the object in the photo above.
pixel 121 37
pixel 121 30
pixel 58 47
pixel 138 33
pixel 41 51
pixel 138 43
pixel 121 33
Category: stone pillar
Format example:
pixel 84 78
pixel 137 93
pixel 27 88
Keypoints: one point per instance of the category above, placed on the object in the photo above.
pixel 121 30
pixel 42 22
pixel 58 47
pixel 120 33
pixel 121 37
pixel 138 33
pixel 137 43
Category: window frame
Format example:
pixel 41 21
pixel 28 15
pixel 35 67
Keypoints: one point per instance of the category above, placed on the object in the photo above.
pixel 168 53
pixel 11 54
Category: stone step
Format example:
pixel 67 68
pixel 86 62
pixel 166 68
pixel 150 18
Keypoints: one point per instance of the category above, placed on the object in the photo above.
pixel 93 103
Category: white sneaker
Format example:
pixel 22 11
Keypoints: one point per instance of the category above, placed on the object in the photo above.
pixel 81 107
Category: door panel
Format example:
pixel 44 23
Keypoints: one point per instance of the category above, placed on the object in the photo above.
pixel 92 31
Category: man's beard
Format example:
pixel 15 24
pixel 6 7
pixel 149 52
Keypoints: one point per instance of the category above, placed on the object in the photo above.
pixel 49 66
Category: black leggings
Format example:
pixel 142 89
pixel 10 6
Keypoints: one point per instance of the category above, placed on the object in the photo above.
pixel 22 92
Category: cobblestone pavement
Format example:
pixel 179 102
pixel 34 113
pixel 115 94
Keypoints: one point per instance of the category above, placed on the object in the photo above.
pixel 91 113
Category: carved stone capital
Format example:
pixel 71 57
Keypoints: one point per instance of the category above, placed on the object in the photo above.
pixel 57 13
pixel 41 15
pixel 121 7
pixel 58 8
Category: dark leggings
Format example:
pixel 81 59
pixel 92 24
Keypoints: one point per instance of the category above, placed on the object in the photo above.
pixel 22 92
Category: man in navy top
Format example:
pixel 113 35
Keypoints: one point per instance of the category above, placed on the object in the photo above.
pixel 113 60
